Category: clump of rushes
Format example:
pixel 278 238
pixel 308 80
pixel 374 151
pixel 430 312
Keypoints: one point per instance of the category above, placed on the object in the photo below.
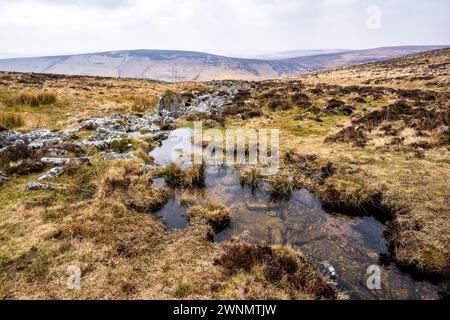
pixel 281 187
pixel 193 177
pixel 9 121
pixel 251 178
pixel 217 215
pixel 31 99
pixel 173 175
pixel 144 104
pixel 187 202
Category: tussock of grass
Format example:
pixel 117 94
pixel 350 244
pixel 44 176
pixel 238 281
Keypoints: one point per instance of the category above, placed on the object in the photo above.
pixel 345 192
pixel 193 177
pixel 31 99
pixel 173 175
pixel 251 177
pixel 293 275
pixel 144 104
pixel 281 187
pixel 217 215
pixel 187 202
pixel 10 121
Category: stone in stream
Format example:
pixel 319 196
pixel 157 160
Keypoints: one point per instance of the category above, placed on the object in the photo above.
pixel 64 161
pixel 119 156
pixel 51 174
pixel 34 186
pixel 328 270
pixel 4 176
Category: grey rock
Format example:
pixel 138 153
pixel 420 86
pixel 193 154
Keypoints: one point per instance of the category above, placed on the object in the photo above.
pixel 51 174
pixel 35 139
pixel 57 152
pixel 33 186
pixel 4 176
pixel 64 161
pixel 119 156
pixel 107 134
pixel 40 143
pixel 99 144
pixel 328 270
pixel 94 123
pixel 71 131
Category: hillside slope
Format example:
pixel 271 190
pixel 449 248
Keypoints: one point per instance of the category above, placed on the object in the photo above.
pixel 184 66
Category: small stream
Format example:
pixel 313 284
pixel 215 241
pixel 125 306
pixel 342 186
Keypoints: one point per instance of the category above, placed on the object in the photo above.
pixel 349 244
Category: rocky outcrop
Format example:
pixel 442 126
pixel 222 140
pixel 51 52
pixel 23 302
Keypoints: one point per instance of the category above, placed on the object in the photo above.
pixel 173 105
pixel 108 130
pixel 35 139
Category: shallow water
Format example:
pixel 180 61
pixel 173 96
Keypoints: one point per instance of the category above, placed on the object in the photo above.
pixel 349 244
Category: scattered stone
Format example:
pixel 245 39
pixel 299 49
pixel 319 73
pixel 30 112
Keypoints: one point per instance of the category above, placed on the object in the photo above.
pixel 64 161
pixel 34 186
pixel 329 270
pixel 57 152
pixel 4 176
pixel 100 144
pixel 51 174
pixel 119 156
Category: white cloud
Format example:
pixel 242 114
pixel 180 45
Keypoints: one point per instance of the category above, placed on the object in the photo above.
pixel 219 26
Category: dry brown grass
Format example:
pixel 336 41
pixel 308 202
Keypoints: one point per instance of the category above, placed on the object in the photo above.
pixel 81 97
pixel 266 270
pixel 122 254
pixel 32 99
pixel 10 121
pixel 217 215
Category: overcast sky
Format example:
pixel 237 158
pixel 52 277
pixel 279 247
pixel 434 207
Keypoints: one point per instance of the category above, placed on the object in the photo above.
pixel 33 27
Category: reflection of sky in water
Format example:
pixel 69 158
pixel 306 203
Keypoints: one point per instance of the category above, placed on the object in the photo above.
pixel 176 148
pixel 349 244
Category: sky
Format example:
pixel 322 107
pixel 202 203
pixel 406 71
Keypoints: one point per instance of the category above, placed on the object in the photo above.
pixel 228 27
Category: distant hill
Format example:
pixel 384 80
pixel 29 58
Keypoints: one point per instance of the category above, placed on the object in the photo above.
pixel 171 65
pixel 293 54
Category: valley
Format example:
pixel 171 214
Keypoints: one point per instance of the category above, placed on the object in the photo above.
pixel 364 180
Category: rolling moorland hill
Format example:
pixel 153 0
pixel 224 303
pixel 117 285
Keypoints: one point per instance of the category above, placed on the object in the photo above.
pixel 370 142
pixel 172 66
